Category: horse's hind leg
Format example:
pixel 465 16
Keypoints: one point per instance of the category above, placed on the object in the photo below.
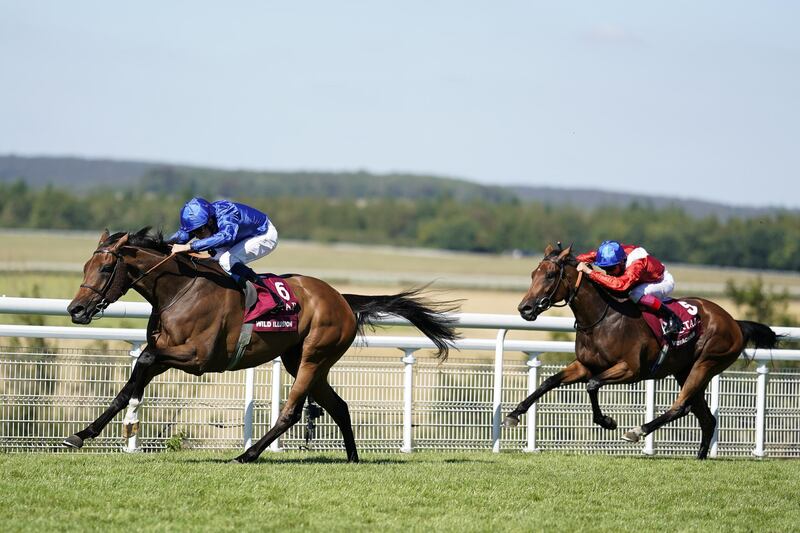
pixel 704 416
pixel 326 397
pixel 572 373
pixel 337 408
pixel 687 400
pixel 707 424
pixel 291 413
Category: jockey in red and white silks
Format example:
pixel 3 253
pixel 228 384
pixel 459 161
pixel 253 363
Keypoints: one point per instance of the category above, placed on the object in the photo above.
pixel 629 268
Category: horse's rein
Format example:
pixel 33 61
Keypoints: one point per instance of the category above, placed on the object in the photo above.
pixel 149 270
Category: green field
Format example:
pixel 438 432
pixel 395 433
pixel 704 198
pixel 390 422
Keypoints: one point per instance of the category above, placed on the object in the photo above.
pixel 193 491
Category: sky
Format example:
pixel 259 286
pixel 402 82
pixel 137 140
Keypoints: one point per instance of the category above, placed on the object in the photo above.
pixel 682 98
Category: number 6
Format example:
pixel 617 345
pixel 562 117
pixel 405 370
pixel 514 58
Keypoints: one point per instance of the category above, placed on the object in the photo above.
pixel 282 292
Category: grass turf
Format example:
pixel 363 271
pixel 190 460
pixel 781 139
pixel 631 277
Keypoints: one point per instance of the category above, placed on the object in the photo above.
pixel 296 491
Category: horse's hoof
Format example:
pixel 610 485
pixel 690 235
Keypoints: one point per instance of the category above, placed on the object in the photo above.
pixel 241 460
pixel 511 422
pixel 73 442
pixel 632 435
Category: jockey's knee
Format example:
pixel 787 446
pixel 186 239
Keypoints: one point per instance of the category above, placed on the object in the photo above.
pixel 226 262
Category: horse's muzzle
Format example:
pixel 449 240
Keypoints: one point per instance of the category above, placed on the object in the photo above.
pixel 528 311
pixel 80 314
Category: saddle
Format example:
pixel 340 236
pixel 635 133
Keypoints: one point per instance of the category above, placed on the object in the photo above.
pixel 686 312
pixel 270 304
pixel 263 312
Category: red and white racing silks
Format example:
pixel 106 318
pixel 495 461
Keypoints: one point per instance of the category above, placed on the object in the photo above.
pixel 640 267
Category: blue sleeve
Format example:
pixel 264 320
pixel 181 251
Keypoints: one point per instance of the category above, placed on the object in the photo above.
pixel 228 219
pixel 179 237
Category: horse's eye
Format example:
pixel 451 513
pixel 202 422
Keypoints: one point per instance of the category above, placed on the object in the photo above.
pixel 107 268
pixel 550 275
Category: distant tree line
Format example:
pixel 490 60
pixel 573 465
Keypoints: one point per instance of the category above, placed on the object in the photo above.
pixel 437 221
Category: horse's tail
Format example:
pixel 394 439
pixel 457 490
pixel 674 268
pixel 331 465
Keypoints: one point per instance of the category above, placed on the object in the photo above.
pixel 429 317
pixel 759 335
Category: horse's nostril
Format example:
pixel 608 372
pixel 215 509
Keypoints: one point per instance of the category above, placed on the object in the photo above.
pixel 75 309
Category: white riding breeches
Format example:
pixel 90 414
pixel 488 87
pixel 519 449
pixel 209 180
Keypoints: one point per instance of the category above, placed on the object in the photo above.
pixel 248 250
pixel 660 289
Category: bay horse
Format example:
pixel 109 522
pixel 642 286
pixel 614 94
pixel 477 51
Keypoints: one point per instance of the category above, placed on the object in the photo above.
pixel 197 317
pixel 613 344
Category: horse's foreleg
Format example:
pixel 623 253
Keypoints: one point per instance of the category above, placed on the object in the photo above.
pixel 619 373
pixel 694 386
pixel 290 414
pixel 572 373
pixel 142 373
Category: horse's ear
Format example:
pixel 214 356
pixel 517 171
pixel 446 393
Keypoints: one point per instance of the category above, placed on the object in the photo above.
pixel 122 241
pixel 104 236
pixel 143 232
pixel 565 253
pixel 549 250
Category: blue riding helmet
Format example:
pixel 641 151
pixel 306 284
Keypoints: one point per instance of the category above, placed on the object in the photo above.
pixel 610 253
pixel 195 214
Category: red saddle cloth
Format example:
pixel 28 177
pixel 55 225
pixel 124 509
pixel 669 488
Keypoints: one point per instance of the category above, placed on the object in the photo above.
pixel 688 315
pixel 263 315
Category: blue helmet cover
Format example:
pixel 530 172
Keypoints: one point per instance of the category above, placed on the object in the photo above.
pixel 610 253
pixel 195 214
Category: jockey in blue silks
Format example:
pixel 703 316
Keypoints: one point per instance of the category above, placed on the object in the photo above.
pixel 234 234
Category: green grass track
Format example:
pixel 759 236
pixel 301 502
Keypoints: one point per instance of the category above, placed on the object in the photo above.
pixel 200 491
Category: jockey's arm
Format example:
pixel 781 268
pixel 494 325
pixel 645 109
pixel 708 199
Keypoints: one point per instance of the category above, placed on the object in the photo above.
pixel 227 230
pixel 628 279
pixel 588 257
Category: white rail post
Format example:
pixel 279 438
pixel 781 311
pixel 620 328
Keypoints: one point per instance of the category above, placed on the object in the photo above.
pixel 277 383
pixel 130 424
pixel 533 380
pixel 497 398
pixel 249 382
pixel 408 399
pixel 712 451
pixel 649 414
pixel 761 407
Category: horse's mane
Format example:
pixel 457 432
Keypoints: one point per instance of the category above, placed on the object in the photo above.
pixel 142 239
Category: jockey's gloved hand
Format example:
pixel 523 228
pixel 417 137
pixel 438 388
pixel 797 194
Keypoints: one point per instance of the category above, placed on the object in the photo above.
pixel 178 248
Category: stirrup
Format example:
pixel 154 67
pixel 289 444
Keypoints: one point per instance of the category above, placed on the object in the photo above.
pixel 661 356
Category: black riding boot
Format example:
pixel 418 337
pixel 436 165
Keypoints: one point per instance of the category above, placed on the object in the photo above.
pixel 674 324
pixel 242 273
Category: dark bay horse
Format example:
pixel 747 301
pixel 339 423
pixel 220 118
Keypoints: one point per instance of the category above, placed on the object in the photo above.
pixel 197 317
pixel 613 344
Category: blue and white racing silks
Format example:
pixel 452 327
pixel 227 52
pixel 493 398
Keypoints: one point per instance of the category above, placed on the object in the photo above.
pixel 235 222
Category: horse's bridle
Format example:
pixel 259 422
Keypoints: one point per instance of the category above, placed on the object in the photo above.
pixel 573 291
pixel 546 302
pixel 103 291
